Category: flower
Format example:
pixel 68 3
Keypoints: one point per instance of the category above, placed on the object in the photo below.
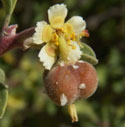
pixel 61 38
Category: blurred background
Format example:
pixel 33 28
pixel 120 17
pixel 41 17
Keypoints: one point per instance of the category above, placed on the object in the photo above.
pixel 29 106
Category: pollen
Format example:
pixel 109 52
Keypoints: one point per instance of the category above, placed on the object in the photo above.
pixel 73 37
pixel 67 38
pixel 73 46
pixel 68 42
pixel 57 43
pixel 55 38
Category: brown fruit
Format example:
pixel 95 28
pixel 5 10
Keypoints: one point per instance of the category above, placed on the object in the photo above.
pixel 65 84
pixel 88 79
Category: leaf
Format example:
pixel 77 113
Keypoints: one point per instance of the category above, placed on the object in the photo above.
pixel 3 93
pixel 2 76
pixel 13 4
pixel 3 99
pixel 9 5
pixel 88 54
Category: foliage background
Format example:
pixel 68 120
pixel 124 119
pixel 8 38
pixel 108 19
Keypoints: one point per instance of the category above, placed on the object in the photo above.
pixel 28 105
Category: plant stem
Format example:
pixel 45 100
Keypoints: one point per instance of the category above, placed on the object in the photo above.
pixel 7 43
pixel 73 113
pixel 6 22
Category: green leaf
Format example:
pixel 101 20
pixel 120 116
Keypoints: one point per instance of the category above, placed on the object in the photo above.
pixel 9 5
pixel 2 76
pixel 13 4
pixel 3 99
pixel 88 54
pixel 6 5
pixel 3 93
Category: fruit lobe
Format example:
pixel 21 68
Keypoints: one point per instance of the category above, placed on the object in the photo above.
pixel 65 84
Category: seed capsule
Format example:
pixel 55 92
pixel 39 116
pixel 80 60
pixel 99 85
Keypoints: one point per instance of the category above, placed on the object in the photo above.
pixel 65 84
pixel 88 79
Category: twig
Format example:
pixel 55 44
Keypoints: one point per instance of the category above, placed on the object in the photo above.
pixel 6 22
pixel 15 41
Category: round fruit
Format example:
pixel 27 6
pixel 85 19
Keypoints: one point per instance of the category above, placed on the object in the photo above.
pixel 65 84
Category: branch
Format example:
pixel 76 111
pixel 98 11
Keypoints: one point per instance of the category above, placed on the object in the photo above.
pixel 11 40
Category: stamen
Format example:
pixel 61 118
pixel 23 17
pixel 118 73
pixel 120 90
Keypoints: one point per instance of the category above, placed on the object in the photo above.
pixel 73 47
pixel 73 37
pixel 68 42
pixel 60 31
pixel 57 43
pixel 55 39
pixel 67 38
pixel 84 33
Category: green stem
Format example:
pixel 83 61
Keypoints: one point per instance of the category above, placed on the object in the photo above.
pixel 6 22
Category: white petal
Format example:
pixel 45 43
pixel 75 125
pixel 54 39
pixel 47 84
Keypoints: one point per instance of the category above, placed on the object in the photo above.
pixel 47 60
pixel 74 54
pixel 57 10
pixel 78 24
pixel 37 37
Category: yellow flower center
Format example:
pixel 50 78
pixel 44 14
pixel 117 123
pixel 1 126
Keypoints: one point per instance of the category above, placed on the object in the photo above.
pixel 55 38
pixel 59 29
